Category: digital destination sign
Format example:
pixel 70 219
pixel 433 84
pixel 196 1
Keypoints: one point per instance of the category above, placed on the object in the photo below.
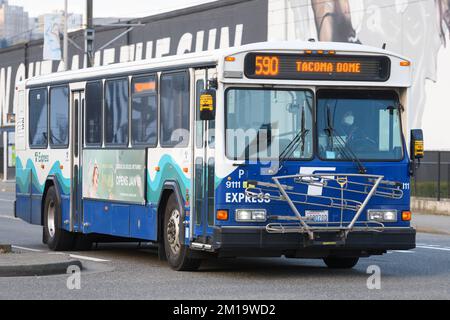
pixel 317 67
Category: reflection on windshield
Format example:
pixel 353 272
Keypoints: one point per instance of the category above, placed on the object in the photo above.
pixel 366 123
pixel 262 123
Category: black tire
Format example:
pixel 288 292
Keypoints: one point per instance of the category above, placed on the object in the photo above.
pixel 56 238
pixel 341 262
pixel 178 259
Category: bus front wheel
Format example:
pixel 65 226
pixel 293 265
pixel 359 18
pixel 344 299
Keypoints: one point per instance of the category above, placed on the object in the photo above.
pixel 341 262
pixel 176 252
pixel 56 238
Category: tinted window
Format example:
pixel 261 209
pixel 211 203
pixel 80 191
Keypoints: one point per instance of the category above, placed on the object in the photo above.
pixel 361 124
pixel 269 124
pixel 200 85
pixel 93 113
pixel 38 118
pixel 175 110
pixel 116 112
pixel 144 112
pixel 59 117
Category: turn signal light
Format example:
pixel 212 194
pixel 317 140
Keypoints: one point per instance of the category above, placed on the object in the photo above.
pixel 230 59
pixel 406 215
pixel 222 215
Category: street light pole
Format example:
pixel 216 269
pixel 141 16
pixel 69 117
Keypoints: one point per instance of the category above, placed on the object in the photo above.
pixel 66 37
pixel 89 34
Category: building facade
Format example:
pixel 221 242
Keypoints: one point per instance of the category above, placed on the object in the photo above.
pixel 416 29
pixel 14 23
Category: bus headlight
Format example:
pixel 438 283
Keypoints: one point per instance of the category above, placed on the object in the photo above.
pixel 244 215
pixel 382 215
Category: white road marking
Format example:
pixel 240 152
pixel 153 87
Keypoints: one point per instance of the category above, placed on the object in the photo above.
pixel 87 258
pixel 433 248
pixel 60 253
pixel 27 249
pixel 7 200
pixel 403 251
pixel 8 217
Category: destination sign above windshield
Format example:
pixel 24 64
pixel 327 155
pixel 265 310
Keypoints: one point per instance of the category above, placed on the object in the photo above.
pixel 317 67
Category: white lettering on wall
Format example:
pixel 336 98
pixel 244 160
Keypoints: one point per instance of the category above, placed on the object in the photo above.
pixel 134 52
pixel 185 44
pixel 162 47
pixel 5 87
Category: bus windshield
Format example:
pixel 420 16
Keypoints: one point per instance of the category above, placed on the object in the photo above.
pixel 264 123
pixel 361 124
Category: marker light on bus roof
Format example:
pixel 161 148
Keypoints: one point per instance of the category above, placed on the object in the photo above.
pixel 322 52
pixel 405 63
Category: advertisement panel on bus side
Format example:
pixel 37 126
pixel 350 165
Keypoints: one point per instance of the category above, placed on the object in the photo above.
pixel 116 175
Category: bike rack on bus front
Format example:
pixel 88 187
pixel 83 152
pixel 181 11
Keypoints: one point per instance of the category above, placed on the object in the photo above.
pixel 368 185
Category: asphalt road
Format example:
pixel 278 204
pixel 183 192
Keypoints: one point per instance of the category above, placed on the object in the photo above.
pixel 126 272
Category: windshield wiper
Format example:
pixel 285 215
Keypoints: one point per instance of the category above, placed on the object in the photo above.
pixel 344 148
pixel 300 137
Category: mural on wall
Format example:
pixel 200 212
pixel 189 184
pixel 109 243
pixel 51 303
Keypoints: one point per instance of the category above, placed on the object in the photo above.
pixel 207 27
pixel 417 29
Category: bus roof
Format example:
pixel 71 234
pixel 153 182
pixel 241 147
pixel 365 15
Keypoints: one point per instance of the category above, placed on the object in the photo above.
pixel 204 58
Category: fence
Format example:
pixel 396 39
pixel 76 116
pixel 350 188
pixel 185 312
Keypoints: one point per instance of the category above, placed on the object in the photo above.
pixel 433 177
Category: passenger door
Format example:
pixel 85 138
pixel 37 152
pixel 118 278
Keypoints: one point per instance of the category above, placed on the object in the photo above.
pixel 76 194
pixel 204 163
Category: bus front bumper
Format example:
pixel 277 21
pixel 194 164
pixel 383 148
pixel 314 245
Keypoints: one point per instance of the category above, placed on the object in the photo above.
pixel 229 241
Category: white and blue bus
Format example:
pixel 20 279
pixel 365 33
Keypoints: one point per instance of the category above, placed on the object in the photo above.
pixel 296 149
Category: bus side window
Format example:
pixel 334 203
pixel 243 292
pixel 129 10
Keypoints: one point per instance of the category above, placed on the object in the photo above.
pixel 199 87
pixel 144 112
pixel 175 110
pixel 93 114
pixel 38 118
pixel 59 117
pixel 116 112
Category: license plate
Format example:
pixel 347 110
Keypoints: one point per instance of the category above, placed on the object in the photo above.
pixel 317 216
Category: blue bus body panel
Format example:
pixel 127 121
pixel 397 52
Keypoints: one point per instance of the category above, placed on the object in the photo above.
pixel 29 193
pixel 235 198
pixel 120 220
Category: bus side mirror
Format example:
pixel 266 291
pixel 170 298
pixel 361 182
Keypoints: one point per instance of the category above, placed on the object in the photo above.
pixel 417 145
pixel 207 105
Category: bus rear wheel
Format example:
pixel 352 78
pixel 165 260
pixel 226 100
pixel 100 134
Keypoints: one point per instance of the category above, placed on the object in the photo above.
pixel 176 252
pixel 341 262
pixel 56 238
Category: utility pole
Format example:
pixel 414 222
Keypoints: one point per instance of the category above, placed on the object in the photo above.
pixel 89 34
pixel 66 36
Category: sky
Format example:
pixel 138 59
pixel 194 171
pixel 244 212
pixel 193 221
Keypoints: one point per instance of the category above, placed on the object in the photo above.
pixel 107 8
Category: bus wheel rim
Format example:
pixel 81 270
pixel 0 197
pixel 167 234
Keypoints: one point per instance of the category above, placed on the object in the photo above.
pixel 173 232
pixel 51 225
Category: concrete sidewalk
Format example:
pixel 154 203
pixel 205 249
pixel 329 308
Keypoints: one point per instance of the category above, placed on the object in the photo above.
pixel 29 264
pixel 8 186
pixel 426 223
